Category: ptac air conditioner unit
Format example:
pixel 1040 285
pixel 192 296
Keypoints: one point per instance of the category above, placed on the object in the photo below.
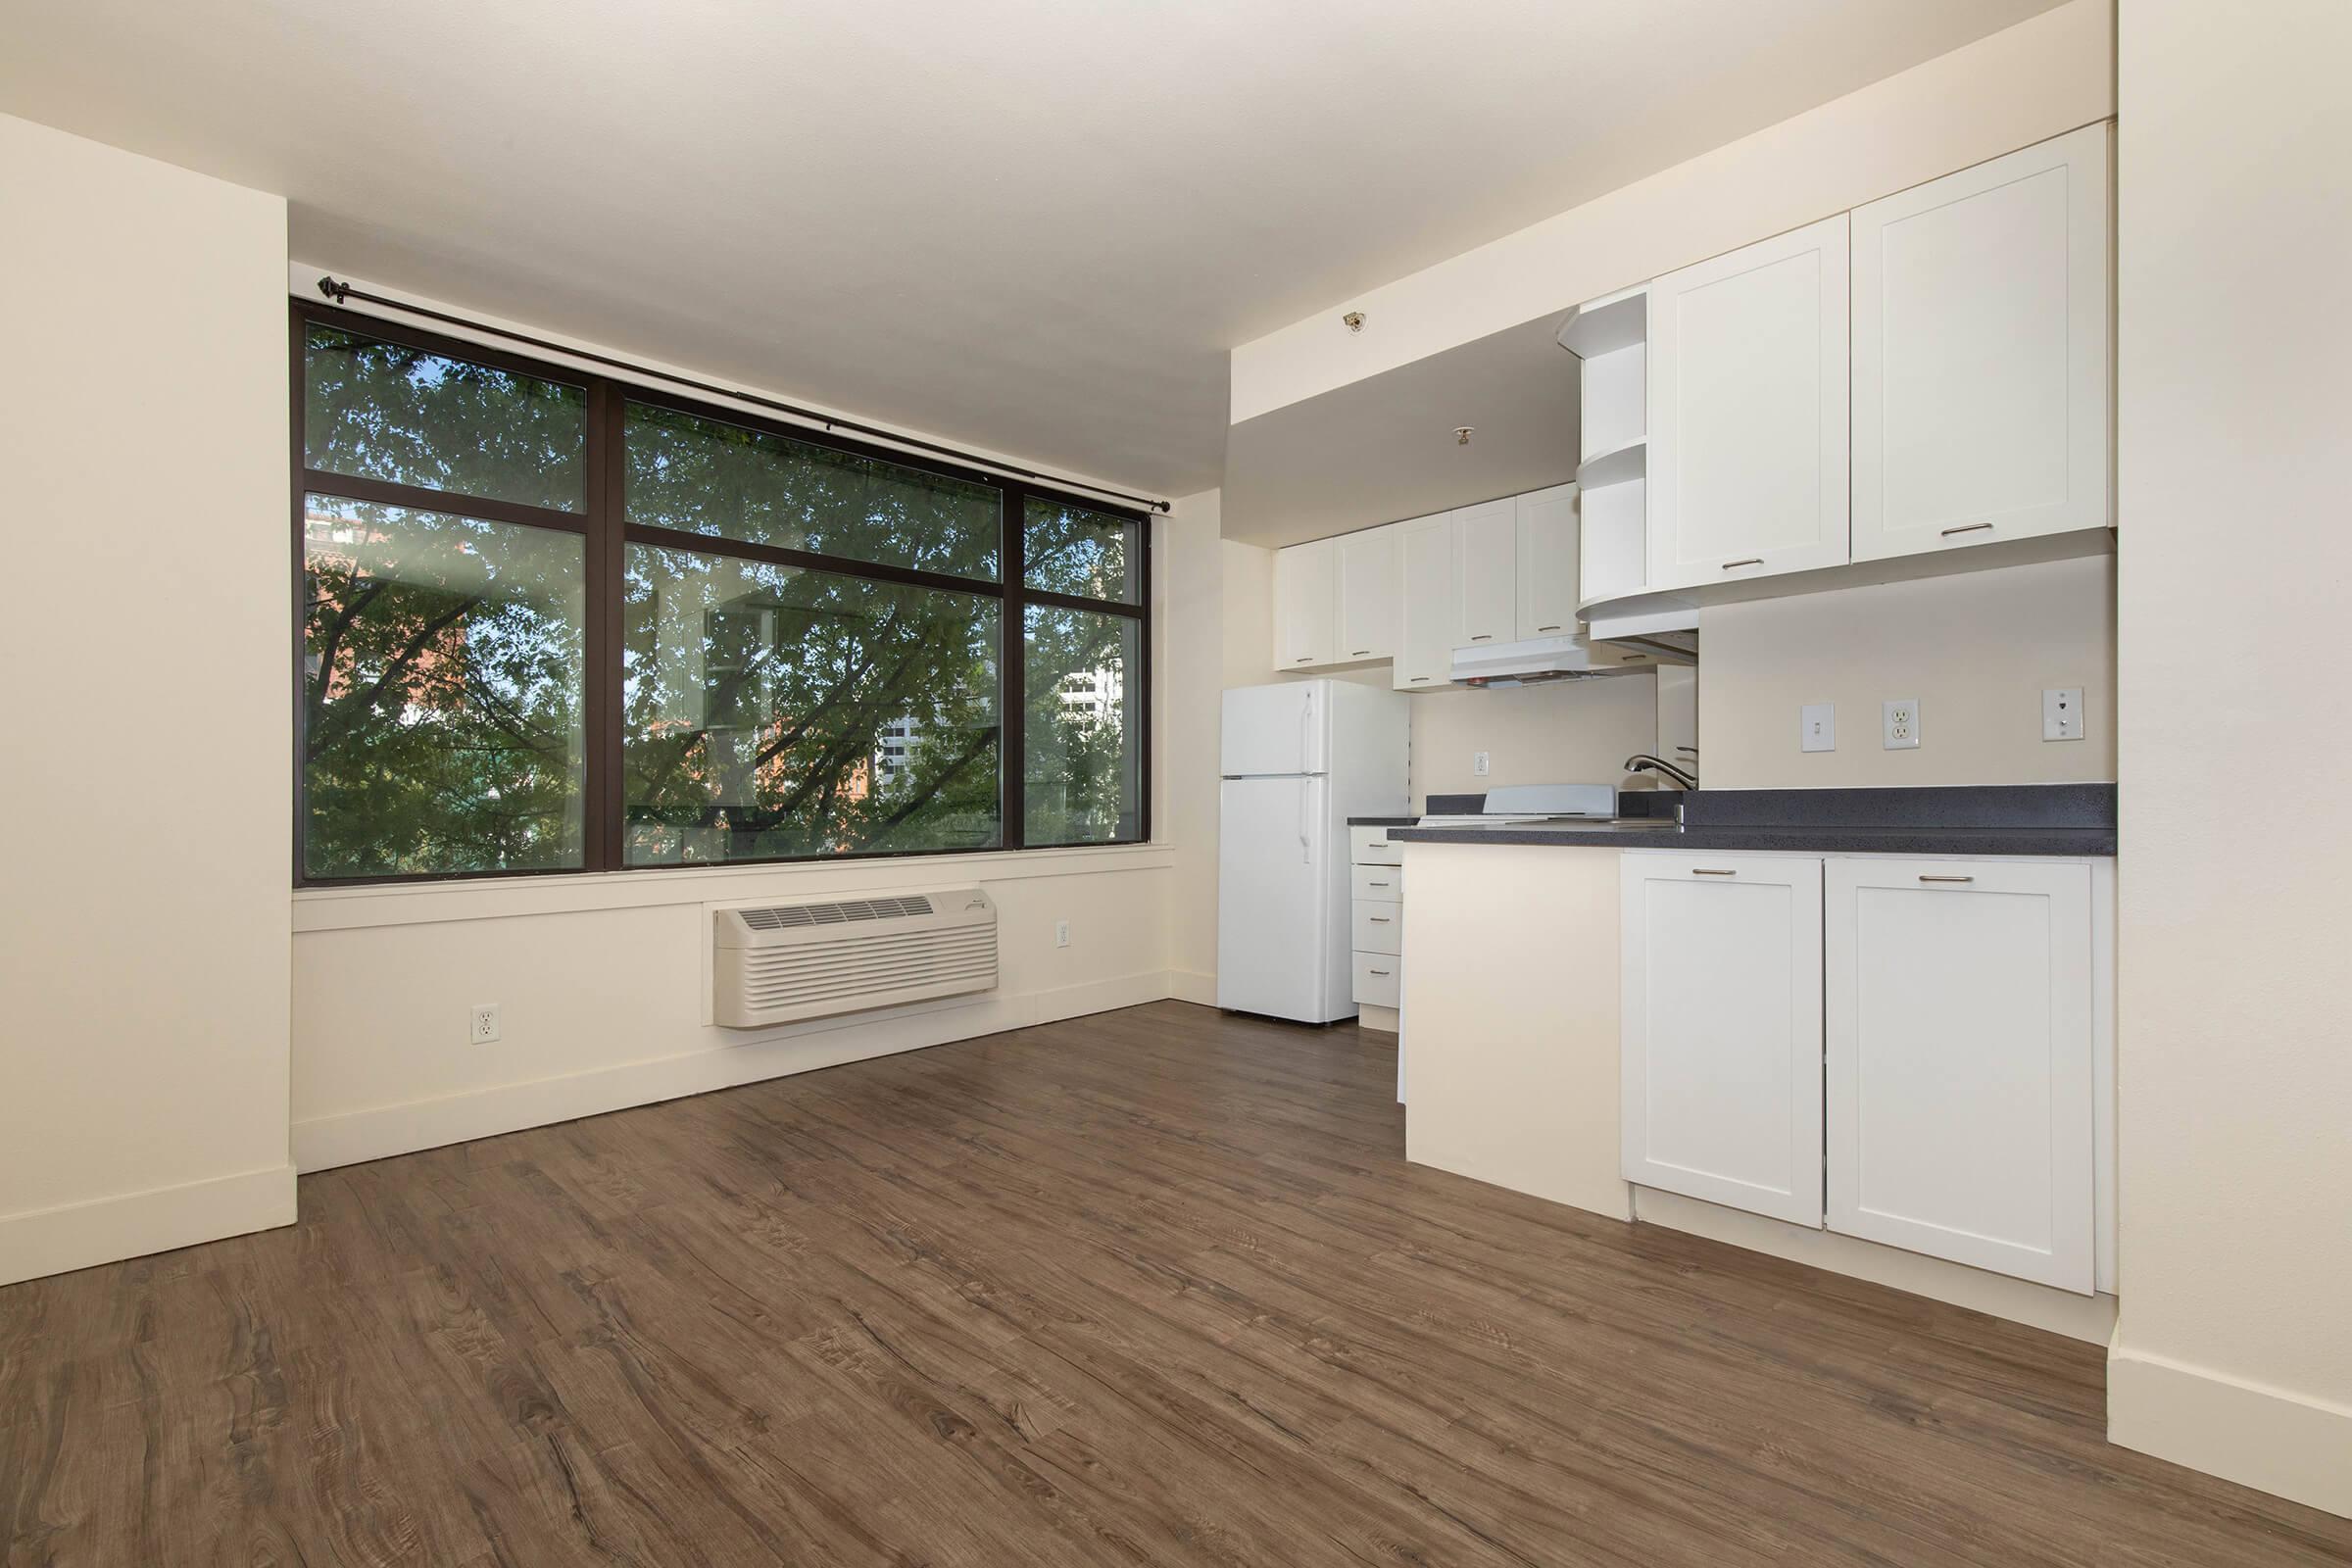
pixel 785 961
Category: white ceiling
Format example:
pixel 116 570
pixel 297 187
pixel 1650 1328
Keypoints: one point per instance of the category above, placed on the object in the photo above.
pixel 1384 448
pixel 1035 229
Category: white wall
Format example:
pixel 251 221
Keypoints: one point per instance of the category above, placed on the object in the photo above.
pixel 1975 651
pixel 1190 577
pixel 2234 1349
pixel 147 711
pixel 2021 85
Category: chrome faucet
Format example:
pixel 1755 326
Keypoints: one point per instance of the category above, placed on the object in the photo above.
pixel 1643 763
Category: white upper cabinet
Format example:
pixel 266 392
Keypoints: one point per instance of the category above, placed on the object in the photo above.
pixel 1721 1080
pixel 1747 412
pixel 1305 606
pixel 1428 616
pixel 1485 568
pixel 1547 543
pixel 1368 565
pixel 1980 384
pixel 1960 1061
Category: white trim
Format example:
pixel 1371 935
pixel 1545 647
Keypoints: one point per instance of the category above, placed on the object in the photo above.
pixel 160 1219
pixel 378 1132
pixel 1188 985
pixel 2043 1306
pixel 431 903
pixel 2274 1439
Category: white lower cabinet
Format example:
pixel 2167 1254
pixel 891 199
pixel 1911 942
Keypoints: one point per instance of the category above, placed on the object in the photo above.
pixel 1960 1069
pixel 1377 919
pixel 1926 1040
pixel 1721 1017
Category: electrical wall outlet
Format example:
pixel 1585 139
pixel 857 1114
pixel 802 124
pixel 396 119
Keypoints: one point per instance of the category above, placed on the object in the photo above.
pixel 482 1029
pixel 1901 715
pixel 1062 933
pixel 2062 714
pixel 1817 727
pixel 1478 763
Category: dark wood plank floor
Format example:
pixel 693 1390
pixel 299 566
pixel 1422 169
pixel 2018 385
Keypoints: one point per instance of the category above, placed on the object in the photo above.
pixel 1151 1286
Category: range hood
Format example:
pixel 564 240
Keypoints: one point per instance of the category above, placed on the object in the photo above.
pixel 1575 658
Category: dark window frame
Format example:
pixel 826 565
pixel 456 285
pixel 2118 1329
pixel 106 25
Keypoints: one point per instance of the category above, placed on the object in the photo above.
pixel 607 535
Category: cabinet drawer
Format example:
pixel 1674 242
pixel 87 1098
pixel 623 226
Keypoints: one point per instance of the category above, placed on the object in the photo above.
pixel 1382 884
pixel 1370 845
pixel 1379 927
pixel 1378 979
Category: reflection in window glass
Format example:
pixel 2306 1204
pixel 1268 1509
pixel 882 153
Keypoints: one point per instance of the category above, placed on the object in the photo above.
pixel 443 671
pixel 385 411
pixel 1070 549
pixel 1083 779
pixel 703 475
pixel 774 712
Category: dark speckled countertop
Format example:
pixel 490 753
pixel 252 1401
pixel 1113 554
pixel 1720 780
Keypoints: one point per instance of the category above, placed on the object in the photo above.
pixel 2056 819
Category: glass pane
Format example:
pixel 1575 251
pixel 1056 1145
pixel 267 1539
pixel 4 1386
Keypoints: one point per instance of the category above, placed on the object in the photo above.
pixel 773 711
pixel 1070 549
pixel 1083 779
pixel 385 411
pixel 443 661
pixel 703 475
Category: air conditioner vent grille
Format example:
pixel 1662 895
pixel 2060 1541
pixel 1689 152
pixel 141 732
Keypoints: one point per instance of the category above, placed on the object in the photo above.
pixel 788 916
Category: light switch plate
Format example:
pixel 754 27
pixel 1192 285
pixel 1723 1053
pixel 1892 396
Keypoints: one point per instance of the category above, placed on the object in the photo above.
pixel 1901 715
pixel 2062 714
pixel 1817 727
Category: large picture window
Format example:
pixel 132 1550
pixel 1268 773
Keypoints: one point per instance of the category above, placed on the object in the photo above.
pixel 553 622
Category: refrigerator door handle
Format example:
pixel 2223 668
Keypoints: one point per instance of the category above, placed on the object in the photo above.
pixel 1307 850
pixel 1306 732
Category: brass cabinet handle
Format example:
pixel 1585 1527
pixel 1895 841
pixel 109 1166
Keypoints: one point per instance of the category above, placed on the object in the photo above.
pixel 1752 561
pixel 1924 877
pixel 1700 871
pixel 1970 527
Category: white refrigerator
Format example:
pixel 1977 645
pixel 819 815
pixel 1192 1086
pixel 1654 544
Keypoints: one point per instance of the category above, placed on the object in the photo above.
pixel 1297 761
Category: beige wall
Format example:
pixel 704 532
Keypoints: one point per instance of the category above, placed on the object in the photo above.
pixel 2234 1349
pixel 2045 75
pixel 1571 732
pixel 1190 577
pixel 1974 650
pixel 146 707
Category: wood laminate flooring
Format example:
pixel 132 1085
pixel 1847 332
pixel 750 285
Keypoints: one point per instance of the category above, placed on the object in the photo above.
pixel 1149 1286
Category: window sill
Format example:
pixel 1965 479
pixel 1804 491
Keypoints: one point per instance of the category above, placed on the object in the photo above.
pixel 354 909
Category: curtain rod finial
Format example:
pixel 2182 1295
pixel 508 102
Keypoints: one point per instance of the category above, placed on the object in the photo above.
pixel 332 289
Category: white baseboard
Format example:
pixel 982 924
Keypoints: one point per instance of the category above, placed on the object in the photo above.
pixel 322 1143
pixel 1189 985
pixel 2282 1443
pixel 106 1230
pixel 2078 1317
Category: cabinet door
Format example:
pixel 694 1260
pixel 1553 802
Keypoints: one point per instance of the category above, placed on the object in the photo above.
pixel 1722 1030
pixel 1304 598
pixel 1427 614
pixel 1959 1059
pixel 1982 406
pixel 1368 583
pixel 1546 572
pixel 1747 412
pixel 1485 568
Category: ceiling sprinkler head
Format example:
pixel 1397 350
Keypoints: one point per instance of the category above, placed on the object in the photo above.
pixel 1354 321
pixel 1461 434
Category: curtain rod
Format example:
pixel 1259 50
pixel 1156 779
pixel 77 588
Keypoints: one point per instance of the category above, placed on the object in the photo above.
pixel 339 292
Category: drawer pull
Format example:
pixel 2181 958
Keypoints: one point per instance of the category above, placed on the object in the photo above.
pixel 1700 871
pixel 1361 653
pixel 1383 973
pixel 1483 637
pixel 1548 628
pixel 1924 877
pixel 1752 560
pixel 1377 919
pixel 1418 679
pixel 1308 660
pixel 1966 527
pixel 1376 884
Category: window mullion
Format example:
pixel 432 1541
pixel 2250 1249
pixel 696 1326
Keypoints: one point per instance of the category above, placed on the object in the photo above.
pixel 1012 680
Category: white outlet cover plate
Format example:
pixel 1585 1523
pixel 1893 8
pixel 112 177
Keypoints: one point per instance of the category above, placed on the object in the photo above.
pixel 2062 714
pixel 1901 715
pixel 1817 727
pixel 1478 763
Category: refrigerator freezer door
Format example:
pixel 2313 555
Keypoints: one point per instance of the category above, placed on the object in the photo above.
pixel 1276 729
pixel 1273 898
